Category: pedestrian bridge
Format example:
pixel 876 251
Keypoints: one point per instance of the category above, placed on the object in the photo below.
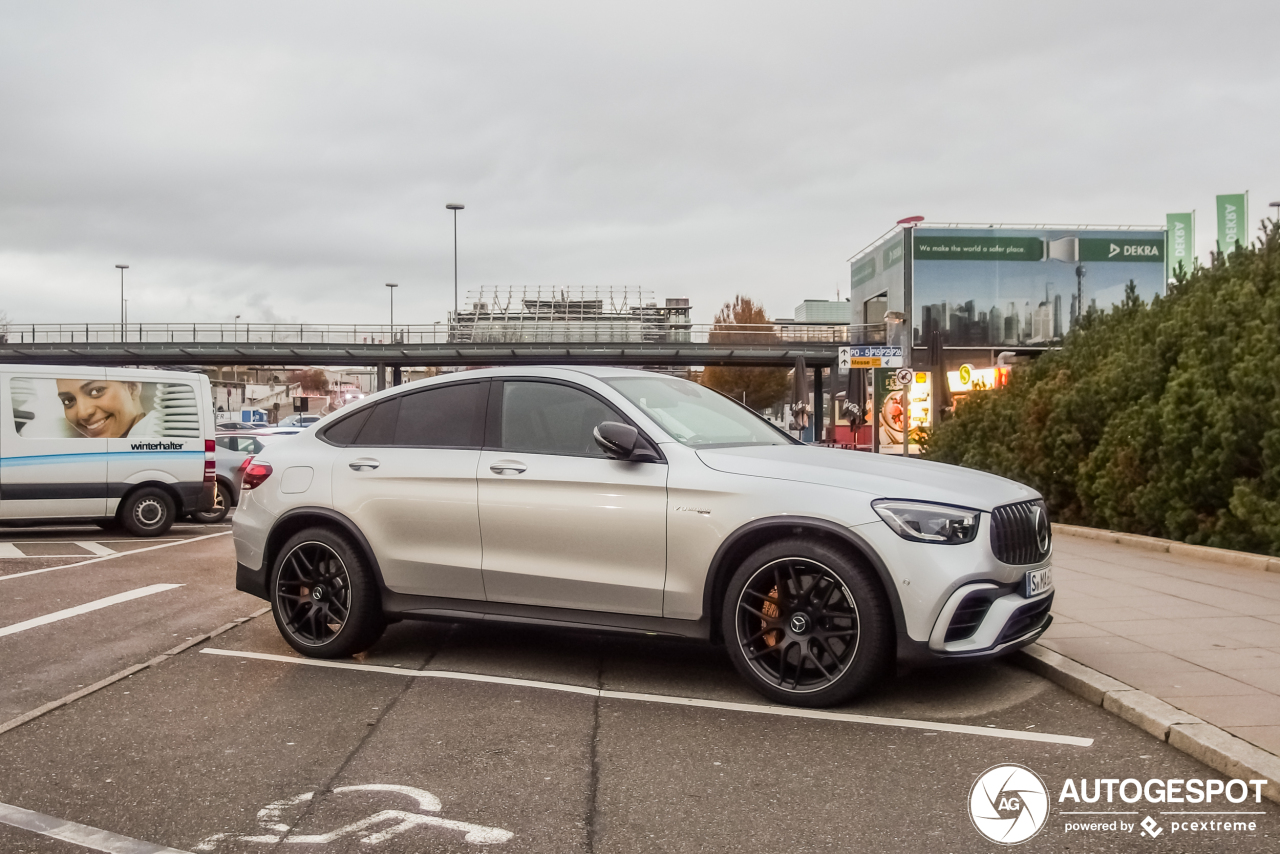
pixel 430 345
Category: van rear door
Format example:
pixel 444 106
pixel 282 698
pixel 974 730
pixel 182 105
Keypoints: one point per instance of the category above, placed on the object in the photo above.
pixel 51 464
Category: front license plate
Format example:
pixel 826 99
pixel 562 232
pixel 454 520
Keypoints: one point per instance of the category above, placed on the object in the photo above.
pixel 1037 581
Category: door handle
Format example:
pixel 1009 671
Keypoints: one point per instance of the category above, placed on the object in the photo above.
pixel 363 463
pixel 507 467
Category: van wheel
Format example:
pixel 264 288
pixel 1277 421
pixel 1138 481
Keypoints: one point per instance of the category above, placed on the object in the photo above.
pixel 149 512
pixel 324 598
pixel 807 625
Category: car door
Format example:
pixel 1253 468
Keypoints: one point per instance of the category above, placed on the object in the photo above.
pixel 55 450
pixel 406 475
pixel 562 524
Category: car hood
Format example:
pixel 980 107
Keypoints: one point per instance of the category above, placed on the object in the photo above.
pixel 877 475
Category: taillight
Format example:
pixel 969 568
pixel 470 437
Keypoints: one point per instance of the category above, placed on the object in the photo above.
pixel 244 465
pixel 210 460
pixel 209 446
pixel 255 474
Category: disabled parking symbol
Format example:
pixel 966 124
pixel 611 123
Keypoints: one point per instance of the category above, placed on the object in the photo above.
pixel 376 828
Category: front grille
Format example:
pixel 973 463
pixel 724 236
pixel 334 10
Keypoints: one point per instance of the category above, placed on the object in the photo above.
pixel 969 614
pixel 1017 531
pixel 1025 619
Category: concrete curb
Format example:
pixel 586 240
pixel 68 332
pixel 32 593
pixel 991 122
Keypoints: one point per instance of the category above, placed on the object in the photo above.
pixel 1155 544
pixel 1217 748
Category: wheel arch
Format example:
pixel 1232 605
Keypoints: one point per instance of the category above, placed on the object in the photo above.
pixel 756 534
pixel 166 488
pixel 300 518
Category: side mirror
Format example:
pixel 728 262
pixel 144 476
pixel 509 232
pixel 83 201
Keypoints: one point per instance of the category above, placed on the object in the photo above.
pixel 624 442
pixel 617 440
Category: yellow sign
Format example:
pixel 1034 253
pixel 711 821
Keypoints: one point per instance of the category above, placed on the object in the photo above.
pixel 867 362
pixel 966 374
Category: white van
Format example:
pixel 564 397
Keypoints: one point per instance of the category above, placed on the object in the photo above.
pixel 114 445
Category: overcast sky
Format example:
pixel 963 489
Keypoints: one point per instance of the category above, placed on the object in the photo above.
pixel 283 160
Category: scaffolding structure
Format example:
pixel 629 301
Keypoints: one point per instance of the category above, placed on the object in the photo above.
pixel 571 315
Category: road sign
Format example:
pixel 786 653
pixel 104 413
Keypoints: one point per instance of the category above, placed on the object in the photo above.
pixel 869 356
pixel 905 375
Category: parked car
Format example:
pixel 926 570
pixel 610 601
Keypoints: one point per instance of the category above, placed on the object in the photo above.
pixel 238 425
pixel 299 420
pixel 232 454
pixel 604 498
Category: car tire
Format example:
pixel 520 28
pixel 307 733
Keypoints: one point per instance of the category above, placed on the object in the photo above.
pixel 221 507
pixel 807 624
pixel 324 597
pixel 148 512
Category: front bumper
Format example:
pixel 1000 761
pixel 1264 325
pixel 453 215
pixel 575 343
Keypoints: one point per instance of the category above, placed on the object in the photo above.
pixel 980 621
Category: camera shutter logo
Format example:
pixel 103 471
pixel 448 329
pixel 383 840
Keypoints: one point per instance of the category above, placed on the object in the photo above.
pixel 1008 804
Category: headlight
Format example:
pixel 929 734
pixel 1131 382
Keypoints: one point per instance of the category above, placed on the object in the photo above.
pixel 928 523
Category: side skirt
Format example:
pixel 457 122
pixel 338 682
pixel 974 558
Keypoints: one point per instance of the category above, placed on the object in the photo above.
pixel 438 608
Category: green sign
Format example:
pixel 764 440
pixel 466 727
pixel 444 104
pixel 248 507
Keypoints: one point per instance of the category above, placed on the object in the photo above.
pixel 1120 249
pixel 1180 243
pixel 863 272
pixel 1233 213
pixel 892 254
pixel 978 248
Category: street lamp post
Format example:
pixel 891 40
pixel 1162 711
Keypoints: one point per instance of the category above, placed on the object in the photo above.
pixel 392 286
pixel 1275 205
pixel 122 268
pixel 453 206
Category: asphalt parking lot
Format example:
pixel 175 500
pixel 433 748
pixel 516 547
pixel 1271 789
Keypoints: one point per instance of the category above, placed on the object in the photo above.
pixel 459 737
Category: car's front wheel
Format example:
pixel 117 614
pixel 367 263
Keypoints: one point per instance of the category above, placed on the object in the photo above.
pixel 806 624
pixel 324 597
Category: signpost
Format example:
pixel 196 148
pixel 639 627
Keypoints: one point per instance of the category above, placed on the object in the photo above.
pixel 869 356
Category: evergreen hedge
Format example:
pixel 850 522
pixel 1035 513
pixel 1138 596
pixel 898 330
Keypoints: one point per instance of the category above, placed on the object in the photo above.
pixel 1159 419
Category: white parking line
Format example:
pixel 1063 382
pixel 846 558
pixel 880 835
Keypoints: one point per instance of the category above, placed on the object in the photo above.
pixel 96 548
pixel 79 834
pixel 10 550
pixel 96 605
pixel 111 556
pixel 752 708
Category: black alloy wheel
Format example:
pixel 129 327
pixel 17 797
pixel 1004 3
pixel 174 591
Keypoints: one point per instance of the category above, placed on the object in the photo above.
pixel 797 624
pixel 323 597
pixel 806 625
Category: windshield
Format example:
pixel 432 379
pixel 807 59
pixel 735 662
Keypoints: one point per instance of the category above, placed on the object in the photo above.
pixel 697 416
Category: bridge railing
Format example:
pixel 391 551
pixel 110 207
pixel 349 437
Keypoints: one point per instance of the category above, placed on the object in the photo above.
pixel 542 332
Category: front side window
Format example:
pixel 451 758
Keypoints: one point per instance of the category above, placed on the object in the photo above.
pixel 547 418
pixel 697 416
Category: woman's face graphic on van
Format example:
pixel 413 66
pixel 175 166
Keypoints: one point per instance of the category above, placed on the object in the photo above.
pixel 101 409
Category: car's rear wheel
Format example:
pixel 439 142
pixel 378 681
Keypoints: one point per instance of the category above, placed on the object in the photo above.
pixel 806 624
pixel 221 506
pixel 148 512
pixel 324 597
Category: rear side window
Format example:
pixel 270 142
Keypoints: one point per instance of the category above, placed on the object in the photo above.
pixel 344 432
pixel 547 418
pixel 448 416
pixel 380 429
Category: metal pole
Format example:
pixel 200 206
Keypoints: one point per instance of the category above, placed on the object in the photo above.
pixel 122 268
pixel 455 207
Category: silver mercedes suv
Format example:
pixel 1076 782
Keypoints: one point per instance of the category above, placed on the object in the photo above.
pixel 606 498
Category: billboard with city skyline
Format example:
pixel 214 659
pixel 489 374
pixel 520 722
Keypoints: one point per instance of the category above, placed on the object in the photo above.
pixel 1019 287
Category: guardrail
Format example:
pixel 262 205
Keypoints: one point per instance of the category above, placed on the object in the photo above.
pixel 540 332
